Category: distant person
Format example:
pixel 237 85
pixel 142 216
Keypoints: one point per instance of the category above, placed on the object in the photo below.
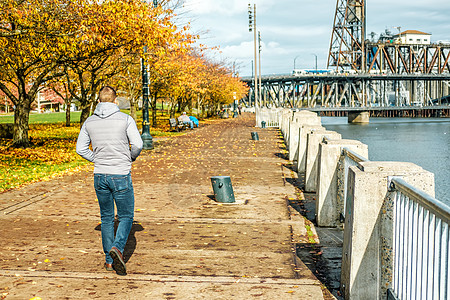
pixel 184 119
pixel 116 143
pixel 194 120
pixel 240 109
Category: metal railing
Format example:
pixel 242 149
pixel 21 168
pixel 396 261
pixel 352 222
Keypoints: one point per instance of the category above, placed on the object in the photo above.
pixel 420 244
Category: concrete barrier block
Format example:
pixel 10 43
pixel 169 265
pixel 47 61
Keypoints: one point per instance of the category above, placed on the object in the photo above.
pixel 293 140
pixel 329 205
pixel 367 248
pixel 307 117
pixel 302 143
pixel 287 118
pixel 300 118
pixel 314 138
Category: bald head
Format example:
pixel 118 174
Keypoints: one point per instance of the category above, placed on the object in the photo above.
pixel 107 94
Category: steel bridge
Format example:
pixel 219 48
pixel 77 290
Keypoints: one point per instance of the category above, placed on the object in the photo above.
pixel 343 92
pixel 379 76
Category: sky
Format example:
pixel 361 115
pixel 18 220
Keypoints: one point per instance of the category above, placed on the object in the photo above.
pixel 296 31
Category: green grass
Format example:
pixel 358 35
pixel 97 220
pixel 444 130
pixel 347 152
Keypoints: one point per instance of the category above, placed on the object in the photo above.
pixel 53 148
pixel 52 152
pixel 45 118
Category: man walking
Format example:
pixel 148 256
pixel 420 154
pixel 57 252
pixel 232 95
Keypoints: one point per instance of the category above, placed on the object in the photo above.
pixel 116 143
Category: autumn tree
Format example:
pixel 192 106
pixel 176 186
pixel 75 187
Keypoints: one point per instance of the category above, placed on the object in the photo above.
pixel 41 38
pixel 129 81
pixel 35 37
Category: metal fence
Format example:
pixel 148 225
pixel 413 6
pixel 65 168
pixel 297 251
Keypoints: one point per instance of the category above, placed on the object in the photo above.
pixel 420 244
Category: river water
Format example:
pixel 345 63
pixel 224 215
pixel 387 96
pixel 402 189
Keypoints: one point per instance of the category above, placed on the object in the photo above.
pixel 425 142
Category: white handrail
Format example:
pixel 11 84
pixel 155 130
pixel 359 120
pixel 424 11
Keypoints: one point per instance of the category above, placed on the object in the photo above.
pixel 421 244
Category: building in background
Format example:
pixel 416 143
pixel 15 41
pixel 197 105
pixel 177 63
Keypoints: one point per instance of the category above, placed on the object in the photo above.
pixel 413 37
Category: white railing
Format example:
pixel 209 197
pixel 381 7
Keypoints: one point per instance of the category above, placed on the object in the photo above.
pixel 272 117
pixel 420 245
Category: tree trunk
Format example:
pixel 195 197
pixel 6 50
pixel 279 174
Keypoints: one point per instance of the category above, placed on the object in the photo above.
pixel 21 118
pixel 84 114
pixel 179 105
pixel 133 109
pixel 154 109
pixel 172 110
pixel 68 114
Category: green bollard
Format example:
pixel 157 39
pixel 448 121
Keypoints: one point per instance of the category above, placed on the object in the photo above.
pixel 263 124
pixel 223 190
pixel 255 136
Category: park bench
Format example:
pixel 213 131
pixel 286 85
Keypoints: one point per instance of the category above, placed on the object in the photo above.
pixel 175 125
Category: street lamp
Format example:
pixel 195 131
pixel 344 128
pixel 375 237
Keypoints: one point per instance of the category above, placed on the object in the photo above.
pixel 147 138
pixel 316 60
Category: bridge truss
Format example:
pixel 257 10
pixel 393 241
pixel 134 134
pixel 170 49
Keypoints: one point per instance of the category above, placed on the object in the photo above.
pixel 408 58
pixel 353 90
pixel 382 74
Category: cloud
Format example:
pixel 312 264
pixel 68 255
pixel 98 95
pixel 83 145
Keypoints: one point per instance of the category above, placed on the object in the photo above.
pixel 215 7
pixel 300 28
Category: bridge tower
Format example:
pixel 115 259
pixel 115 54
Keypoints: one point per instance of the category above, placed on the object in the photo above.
pixel 347 49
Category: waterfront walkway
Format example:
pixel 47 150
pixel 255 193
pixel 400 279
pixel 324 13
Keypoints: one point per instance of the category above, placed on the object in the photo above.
pixel 183 244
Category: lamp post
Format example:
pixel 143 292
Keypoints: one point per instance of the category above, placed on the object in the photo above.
pixel 295 60
pixel 316 60
pixel 147 138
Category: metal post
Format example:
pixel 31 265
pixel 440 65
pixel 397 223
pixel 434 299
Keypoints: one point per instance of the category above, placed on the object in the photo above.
pixel 252 27
pixel 146 136
pixel 253 76
pixel 256 64
pixel 259 62
pixel 295 60
pixel 316 60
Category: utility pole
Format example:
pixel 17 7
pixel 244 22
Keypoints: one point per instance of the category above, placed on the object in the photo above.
pixel 316 60
pixel 259 62
pixel 295 60
pixel 252 27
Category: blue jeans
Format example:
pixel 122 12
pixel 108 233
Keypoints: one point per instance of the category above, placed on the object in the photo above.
pixel 119 189
pixel 190 123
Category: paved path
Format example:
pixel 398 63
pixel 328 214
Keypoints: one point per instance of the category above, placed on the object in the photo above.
pixel 183 244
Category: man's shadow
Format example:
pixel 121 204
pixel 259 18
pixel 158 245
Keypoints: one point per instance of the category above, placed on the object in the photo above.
pixel 130 246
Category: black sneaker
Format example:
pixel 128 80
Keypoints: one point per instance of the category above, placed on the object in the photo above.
pixel 118 262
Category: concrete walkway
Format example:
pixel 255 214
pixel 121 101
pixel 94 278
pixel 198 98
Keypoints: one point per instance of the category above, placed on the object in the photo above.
pixel 183 244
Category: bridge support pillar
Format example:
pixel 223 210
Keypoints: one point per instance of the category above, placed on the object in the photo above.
pixel 358 117
pixel 367 258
